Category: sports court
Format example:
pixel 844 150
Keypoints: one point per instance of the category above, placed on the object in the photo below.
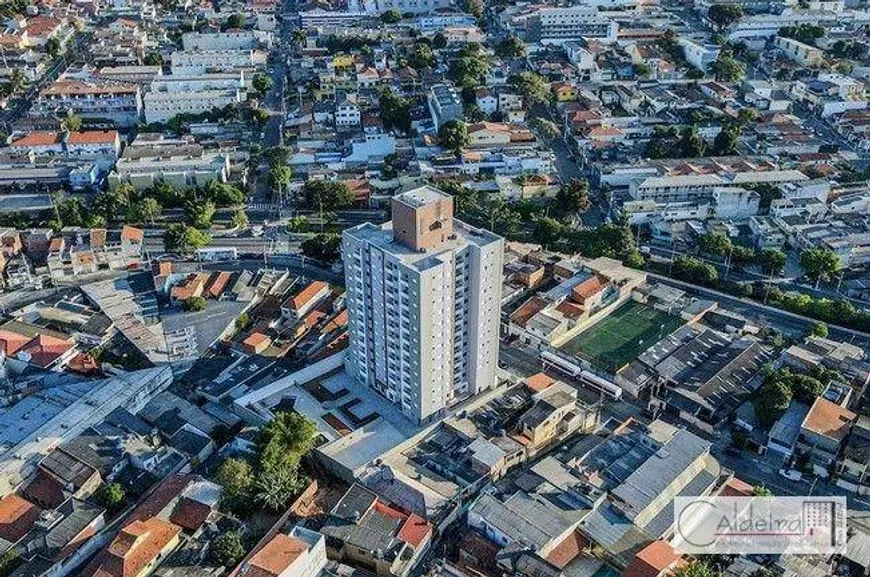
pixel 622 336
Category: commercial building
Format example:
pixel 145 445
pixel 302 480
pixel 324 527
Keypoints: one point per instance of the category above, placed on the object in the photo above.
pixel 110 102
pixel 423 294
pixel 173 95
pixel 560 25
pixel 179 162
pixel 201 61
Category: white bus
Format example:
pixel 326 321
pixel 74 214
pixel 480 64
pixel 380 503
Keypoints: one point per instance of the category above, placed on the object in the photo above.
pixel 217 254
pixel 586 378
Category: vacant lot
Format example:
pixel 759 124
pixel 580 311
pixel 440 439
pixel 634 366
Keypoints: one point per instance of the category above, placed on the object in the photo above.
pixel 622 336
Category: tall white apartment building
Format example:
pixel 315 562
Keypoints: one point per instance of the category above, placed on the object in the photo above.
pixel 423 294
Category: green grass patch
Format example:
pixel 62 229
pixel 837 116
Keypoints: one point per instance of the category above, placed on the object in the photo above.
pixel 622 336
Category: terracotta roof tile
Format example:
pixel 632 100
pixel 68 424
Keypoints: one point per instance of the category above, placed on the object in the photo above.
pixel 93 137
pixel 653 560
pixel 567 550
pixel 17 517
pixel 306 295
pixel 275 557
pixel 828 419
pixel 38 138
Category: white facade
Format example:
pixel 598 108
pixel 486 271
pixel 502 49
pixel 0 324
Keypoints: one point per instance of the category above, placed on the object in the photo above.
pixel 347 114
pixel 406 6
pixel 191 62
pixel 173 95
pixel 700 56
pixel 560 25
pixel 243 40
pixel 423 321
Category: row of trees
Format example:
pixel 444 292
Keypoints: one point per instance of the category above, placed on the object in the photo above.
pixel 670 142
pixel 771 260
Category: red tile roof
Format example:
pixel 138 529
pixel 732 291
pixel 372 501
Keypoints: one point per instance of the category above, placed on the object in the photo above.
pixel 415 531
pixel 275 557
pixel 306 295
pixel 132 234
pixel 134 548
pixel 190 514
pixel 539 381
pixel 44 350
pixel 736 488
pixel 828 419
pixel 11 342
pixel 567 550
pixel 653 560
pixel 93 137
pixel 589 287
pixel 17 517
pixel 38 138
pixel 529 309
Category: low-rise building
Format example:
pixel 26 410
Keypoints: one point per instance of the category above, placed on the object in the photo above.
pixel 112 103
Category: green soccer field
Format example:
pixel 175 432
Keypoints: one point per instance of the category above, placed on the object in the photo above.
pixel 622 336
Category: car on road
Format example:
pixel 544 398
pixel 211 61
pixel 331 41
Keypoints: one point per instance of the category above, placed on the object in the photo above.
pixel 791 474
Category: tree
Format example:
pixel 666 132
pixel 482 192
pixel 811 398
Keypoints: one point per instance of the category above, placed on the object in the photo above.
pixel 290 432
pixel 153 59
pixel 422 57
pixel 193 304
pixel 742 256
pixel 110 496
pixel 724 15
pixel 184 239
pixel 696 568
pixel 819 330
pixel 52 47
pixel 322 247
pixel 532 86
pixel 71 123
pixel 772 261
pixel 114 204
pixel 806 33
pixel 439 40
pixel 470 68
pixel 11 559
pixel 725 143
pixel 547 231
pixel 146 209
pixel 573 197
pixel 747 116
pixel 239 219
pixel 761 491
pixel 17 80
pixel 223 193
pixel 277 485
pixel 236 478
pixel 227 549
pixel 395 110
pixel 694 73
pixel 236 21
pixel 694 271
pixel 262 83
pixel 243 321
pixel 199 214
pixel 279 176
pixel 715 243
pixel 819 263
pixel 727 68
pixel 391 16
pixel 511 47
pixel 454 135
pixel 692 144
pixel 772 401
pixel 298 224
pixel 327 195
